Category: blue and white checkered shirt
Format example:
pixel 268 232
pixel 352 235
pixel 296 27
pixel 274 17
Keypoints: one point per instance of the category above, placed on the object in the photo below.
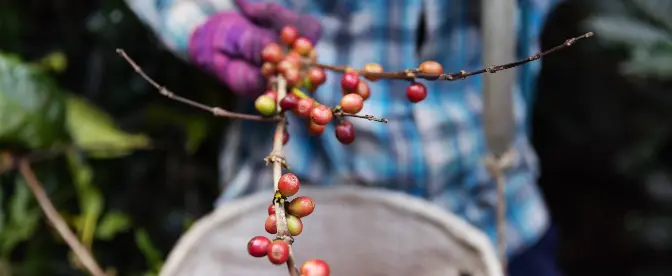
pixel 433 149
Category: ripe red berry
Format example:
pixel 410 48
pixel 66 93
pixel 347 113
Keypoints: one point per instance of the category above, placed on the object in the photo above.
pixel 364 90
pixel 271 209
pixel 294 58
pixel 431 67
pixel 267 69
pixel 317 76
pixel 349 82
pixel 304 107
pixel 315 129
pixel 288 185
pixel 352 103
pixel 278 252
pixel 345 132
pixel 270 225
pixel 294 225
pixel 303 46
pixel 373 68
pixel 285 65
pixel 289 102
pixel 292 76
pixel 314 267
pixel 285 138
pixel 301 206
pixel 258 246
pixel 272 94
pixel 272 53
pixel 416 92
pixel 321 115
pixel 289 34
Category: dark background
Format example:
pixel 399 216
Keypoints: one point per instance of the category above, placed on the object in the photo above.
pixel 601 130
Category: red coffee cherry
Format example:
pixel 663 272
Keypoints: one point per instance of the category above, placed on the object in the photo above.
pixel 303 46
pixel 314 267
pixel 315 129
pixel 272 53
pixel 288 185
pixel 289 34
pixel 321 115
pixel 431 67
pixel 304 107
pixel 271 226
pixel 278 252
pixel 352 103
pixel 317 76
pixel 416 92
pixel 364 90
pixel 285 138
pixel 301 206
pixel 349 82
pixel 268 69
pixel 258 246
pixel 289 102
pixel 271 209
pixel 345 132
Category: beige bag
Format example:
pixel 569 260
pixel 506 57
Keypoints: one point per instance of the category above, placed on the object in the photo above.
pixel 358 231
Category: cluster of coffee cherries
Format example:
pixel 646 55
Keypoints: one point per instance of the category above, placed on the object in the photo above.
pixel 277 250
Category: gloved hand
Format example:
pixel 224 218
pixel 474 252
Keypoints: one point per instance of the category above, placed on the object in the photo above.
pixel 229 44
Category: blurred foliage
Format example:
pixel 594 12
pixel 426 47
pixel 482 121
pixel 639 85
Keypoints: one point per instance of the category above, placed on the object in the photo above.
pixel 601 129
pixel 128 169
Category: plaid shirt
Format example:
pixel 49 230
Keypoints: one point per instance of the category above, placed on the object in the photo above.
pixel 433 149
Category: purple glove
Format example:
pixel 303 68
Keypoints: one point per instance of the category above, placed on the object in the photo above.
pixel 228 45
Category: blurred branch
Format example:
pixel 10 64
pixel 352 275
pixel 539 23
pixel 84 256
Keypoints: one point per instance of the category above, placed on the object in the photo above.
pixel 57 221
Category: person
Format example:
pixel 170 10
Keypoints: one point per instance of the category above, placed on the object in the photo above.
pixel 432 149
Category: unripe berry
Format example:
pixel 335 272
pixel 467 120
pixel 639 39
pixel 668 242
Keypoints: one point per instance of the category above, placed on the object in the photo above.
pixel 289 34
pixel 278 252
pixel 373 68
pixel 288 185
pixel 364 90
pixel 352 103
pixel 270 225
pixel 301 206
pixel 265 105
pixel 314 267
pixel 289 102
pixel 294 225
pixel 416 92
pixel 345 132
pixel 317 76
pixel 258 246
pixel 271 209
pixel 315 129
pixel 303 46
pixel 304 107
pixel 349 82
pixel 268 69
pixel 272 53
pixel 321 115
pixel 272 94
pixel 431 67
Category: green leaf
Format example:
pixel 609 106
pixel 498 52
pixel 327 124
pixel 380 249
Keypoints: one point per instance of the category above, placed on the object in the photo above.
pixel 24 215
pixel 111 224
pixel 95 132
pixel 153 256
pixel 33 108
pixel 195 126
pixel 627 31
pixel 647 64
pixel 89 196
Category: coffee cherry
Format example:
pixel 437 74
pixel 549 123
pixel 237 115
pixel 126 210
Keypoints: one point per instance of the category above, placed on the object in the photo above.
pixel 258 246
pixel 285 138
pixel 265 105
pixel 373 68
pixel 317 76
pixel 278 252
pixel 272 94
pixel 294 58
pixel 321 115
pixel 315 129
pixel 345 132
pixel 288 185
pixel 271 209
pixel 289 102
pixel 268 69
pixel 364 90
pixel 285 65
pixel 292 76
pixel 416 92
pixel 270 225
pixel 289 34
pixel 304 107
pixel 272 53
pixel 294 225
pixel 349 82
pixel 303 46
pixel 301 206
pixel 431 67
pixel 352 103
pixel 314 267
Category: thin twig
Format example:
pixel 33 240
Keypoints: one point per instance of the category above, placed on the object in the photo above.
pixel 277 159
pixel 57 221
pixel 217 111
pixel 367 117
pixel 412 74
